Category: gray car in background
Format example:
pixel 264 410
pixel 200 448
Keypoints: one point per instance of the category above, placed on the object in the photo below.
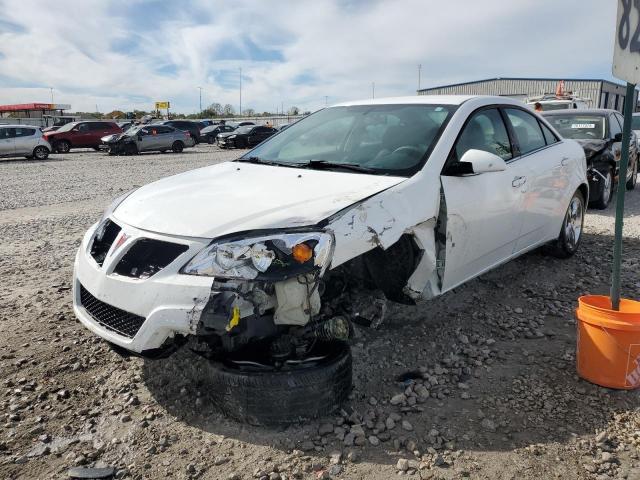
pixel 146 138
pixel 23 141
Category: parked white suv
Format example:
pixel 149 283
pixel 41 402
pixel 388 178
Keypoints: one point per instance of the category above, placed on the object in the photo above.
pixel 258 262
pixel 23 140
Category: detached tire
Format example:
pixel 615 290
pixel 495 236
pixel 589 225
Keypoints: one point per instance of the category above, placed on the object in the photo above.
pixel 631 183
pixel 606 190
pixel 286 396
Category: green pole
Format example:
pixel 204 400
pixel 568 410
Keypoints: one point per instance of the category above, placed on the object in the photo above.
pixel 622 180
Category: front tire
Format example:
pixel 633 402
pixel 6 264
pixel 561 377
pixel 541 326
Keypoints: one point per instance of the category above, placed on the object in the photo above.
pixel 570 236
pixel 177 146
pixel 40 153
pixel 280 397
pixel 606 191
pixel 63 146
pixel 211 140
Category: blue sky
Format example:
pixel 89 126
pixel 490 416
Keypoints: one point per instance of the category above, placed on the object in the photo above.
pixel 128 54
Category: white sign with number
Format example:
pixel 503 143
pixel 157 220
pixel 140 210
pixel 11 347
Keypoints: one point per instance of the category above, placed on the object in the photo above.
pixel 626 50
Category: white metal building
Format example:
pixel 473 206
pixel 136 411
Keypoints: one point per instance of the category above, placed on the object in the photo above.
pixel 599 93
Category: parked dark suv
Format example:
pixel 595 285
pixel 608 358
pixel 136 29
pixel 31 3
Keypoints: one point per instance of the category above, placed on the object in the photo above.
pixel 80 135
pixel 186 126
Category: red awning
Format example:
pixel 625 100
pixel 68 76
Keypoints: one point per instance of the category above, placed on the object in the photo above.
pixel 33 106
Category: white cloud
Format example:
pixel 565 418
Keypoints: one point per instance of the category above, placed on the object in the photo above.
pixel 332 48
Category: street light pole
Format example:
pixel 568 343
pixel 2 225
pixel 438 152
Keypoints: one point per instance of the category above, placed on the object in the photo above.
pixel 419 72
pixel 240 112
pixel 373 89
pixel 51 90
pixel 326 100
pixel 200 88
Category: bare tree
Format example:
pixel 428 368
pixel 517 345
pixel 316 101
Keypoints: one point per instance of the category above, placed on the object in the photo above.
pixel 294 111
pixel 249 112
pixel 216 108
pixel 228 109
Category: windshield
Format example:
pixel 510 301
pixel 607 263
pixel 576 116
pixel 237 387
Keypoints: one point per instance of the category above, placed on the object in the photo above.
pixel 580 127
pixel 67 127
pixel 394 139
pixel 244 129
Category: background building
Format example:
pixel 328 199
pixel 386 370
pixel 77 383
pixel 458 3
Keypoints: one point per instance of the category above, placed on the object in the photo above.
pixel 598 93
pixel 38 114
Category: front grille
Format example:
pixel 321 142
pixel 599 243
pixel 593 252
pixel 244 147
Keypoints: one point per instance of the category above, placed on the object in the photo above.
pixel 121 322
pixel 147 257
pixel 102 240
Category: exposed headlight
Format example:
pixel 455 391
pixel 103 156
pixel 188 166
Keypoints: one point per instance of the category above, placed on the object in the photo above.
pixel 109 210
pixel 271 257
pixel 232 136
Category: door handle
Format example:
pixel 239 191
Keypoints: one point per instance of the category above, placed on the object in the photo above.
pixel 565 161
pixel 518 181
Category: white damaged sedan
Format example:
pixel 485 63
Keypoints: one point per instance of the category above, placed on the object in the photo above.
pixel 259 260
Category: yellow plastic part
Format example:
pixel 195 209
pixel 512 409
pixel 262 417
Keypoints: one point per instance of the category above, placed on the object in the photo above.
pixel 235 319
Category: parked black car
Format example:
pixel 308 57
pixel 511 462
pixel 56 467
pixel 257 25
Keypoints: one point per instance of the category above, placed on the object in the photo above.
pixel 209 134
pixel 185 125
pixel 243 137
pixel 599 132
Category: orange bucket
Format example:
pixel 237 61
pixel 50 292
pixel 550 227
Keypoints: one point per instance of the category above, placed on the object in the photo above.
pixel 608 344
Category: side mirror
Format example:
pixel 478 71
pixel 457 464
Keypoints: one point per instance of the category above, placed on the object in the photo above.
pixel 617 137
pixel 483 162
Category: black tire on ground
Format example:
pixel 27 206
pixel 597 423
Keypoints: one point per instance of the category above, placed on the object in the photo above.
pixel 163 151
pixel 211 140
pixel 97 149
pixel 40 153
pixel 131 149
pixel 631 183
pixel 283 397
pixel 606 192
pixel 63 146
pixel 177 146
pixel 570 236
pixel 237 143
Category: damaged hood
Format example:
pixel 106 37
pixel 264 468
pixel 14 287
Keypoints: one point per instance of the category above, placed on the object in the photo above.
pixel 232 197
pixel 592 147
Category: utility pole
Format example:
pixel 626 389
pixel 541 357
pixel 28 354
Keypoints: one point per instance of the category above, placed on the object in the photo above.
pixel 200 88
pixel 240 112
pixel 51 90
pixel 419 71
pixel 373 89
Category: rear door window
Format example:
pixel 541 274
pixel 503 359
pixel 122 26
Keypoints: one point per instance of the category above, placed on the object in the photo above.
pixel 549 136
pixel 527 130
pixel 25 132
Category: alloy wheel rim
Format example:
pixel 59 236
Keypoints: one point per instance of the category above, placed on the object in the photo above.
pixel 39 153
pixel 573 222
pixel 607 188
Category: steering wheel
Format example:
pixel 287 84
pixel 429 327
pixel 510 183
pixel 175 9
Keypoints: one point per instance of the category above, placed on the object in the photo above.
pixel 407 149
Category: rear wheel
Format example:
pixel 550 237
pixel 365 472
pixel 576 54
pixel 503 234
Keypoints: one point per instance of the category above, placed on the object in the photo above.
pixel 571 233
pixel 631 183
pixel 211 140
pixel 63 146
pixel 177 146
pixel 606 190
pixel 40 152
pixel 251 392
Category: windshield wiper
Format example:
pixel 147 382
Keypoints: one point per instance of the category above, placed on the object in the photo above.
pixel 262 161
pixel 327 165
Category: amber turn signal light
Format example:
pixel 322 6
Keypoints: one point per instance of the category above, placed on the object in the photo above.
pixel 302 252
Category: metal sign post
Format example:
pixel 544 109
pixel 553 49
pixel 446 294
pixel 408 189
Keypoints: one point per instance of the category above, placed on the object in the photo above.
pixel 626 66
pixel 622 179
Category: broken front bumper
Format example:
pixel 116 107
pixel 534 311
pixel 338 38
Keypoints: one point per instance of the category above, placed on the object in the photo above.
pixel 138 314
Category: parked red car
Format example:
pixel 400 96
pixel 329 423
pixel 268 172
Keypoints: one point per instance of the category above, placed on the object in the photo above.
pixel 80 135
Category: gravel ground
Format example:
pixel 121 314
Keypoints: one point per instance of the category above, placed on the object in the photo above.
pixel 492 391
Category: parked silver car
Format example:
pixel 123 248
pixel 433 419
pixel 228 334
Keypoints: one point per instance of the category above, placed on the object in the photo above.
pixel 23 140
pixel 147 138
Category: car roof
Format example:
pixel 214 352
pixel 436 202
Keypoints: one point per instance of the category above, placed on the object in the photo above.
pixel 429 100
pixel 2 125
pixel 581 111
